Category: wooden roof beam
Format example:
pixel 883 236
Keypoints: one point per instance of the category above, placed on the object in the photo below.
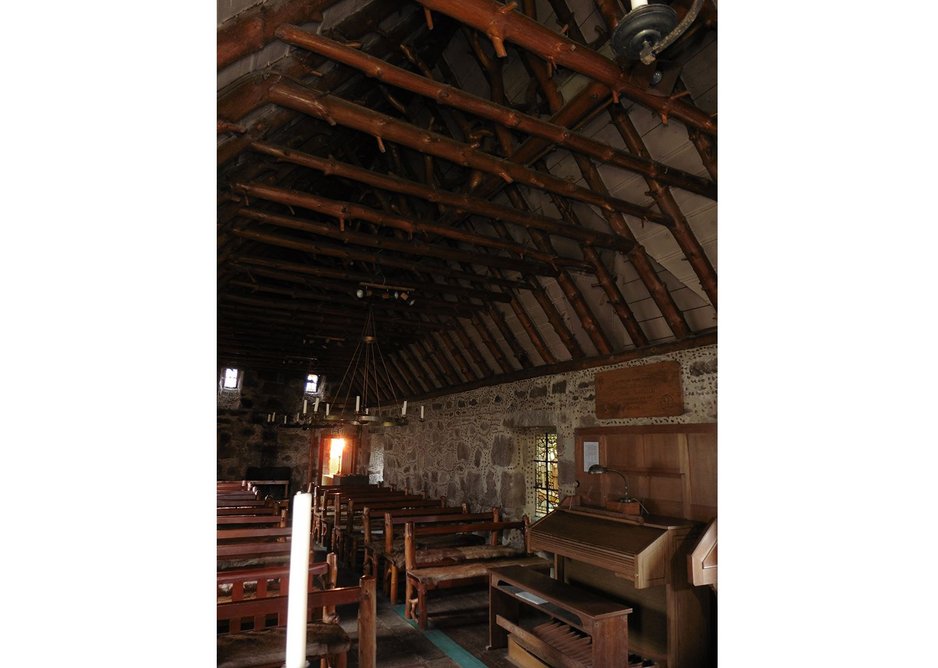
pixel 489 341
pixel 680 230
pixel 254 29
pixel 606 281
pixel 343 211
pixel 569 288
pixel 501 24
pixel 462 202
pixel 412 247
pixel 656 287
pixel 521 355
pixel 335 110
pixel 346 253
pixel 495 111
pixel 431 287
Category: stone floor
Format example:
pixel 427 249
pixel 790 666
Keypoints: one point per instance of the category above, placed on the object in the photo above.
pixel 457 634
pixel 456 637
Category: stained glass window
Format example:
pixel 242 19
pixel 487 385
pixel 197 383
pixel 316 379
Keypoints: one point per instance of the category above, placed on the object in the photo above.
pixel 546 487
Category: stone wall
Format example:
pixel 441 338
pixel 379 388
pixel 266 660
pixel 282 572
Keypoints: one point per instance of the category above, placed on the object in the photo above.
pixel 245 439
pixel 473 445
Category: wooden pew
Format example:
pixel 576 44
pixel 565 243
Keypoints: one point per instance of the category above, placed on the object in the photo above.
pixel 459 566
pixel 245 583
pixel 347 537
pixel 255 510
pixel 390 549
pixel 321 508
pixel 252 534
pixel 253 547
pixel 263 642
pixel 226 522
pixel 373 522
pixel 336 503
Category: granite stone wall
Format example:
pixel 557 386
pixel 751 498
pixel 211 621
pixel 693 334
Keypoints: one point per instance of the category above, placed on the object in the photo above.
pixel 475 446
pixel 246 439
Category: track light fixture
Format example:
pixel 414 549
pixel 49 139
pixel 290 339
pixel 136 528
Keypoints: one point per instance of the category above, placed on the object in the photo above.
pixel 404 294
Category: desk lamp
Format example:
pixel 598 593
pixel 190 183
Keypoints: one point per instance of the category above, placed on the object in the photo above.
pixel 597 469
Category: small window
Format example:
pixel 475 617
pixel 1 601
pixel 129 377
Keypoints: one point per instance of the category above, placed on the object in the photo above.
pixel 230 381
pixel 312 383
pixel 546 487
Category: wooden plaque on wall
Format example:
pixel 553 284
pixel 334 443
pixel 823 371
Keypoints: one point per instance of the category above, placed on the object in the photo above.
pixel 651 390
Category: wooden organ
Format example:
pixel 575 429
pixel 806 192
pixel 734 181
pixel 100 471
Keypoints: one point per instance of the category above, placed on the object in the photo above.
pixel 642 563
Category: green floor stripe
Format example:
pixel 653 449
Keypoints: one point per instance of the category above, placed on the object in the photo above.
pixel 446 644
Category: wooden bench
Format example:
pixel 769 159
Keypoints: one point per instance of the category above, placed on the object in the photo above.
pixel 322 509
pixel 458 567
pixel 237 521
pixel 252 633
pixel 389 550
pixel 252 534
pixel 253 547
pixel 336 505
pixel 260 582
pixel 373 517
pixel 263 509
pixel 347 537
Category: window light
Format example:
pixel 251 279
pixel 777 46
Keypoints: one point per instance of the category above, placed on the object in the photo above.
pixel 312 383
pixel 231 379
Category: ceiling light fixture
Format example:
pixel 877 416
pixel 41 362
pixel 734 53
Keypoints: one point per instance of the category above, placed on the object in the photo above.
pixel 648 29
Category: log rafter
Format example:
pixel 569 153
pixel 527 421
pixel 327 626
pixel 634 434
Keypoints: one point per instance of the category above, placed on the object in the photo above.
pixel 401 170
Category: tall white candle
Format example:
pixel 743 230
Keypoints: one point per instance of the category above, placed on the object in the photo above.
pixel 421 412
pixel 284 419
pixel 299 575
pixel 304 406
pixel 327 409
pixel 316 405
pixel 357 403
pixel 404 409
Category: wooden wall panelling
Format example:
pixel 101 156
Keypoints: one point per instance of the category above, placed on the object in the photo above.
pixel 670 468
pixel 702 451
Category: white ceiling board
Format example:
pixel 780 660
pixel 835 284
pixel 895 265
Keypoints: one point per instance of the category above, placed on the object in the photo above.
pixel 590 217
pixel 516 78
pixel 661 247
pixel 699 319
pixel 341 10
pixel 230 8
pixel 704 224
pixel 687 158
pixel 581 9
pixel 511 321
pixel 666 140
pixel 569 316
pixel 270 54
pixel 644 120
pixel 593 26
pixel 691 203
pixel 497 338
